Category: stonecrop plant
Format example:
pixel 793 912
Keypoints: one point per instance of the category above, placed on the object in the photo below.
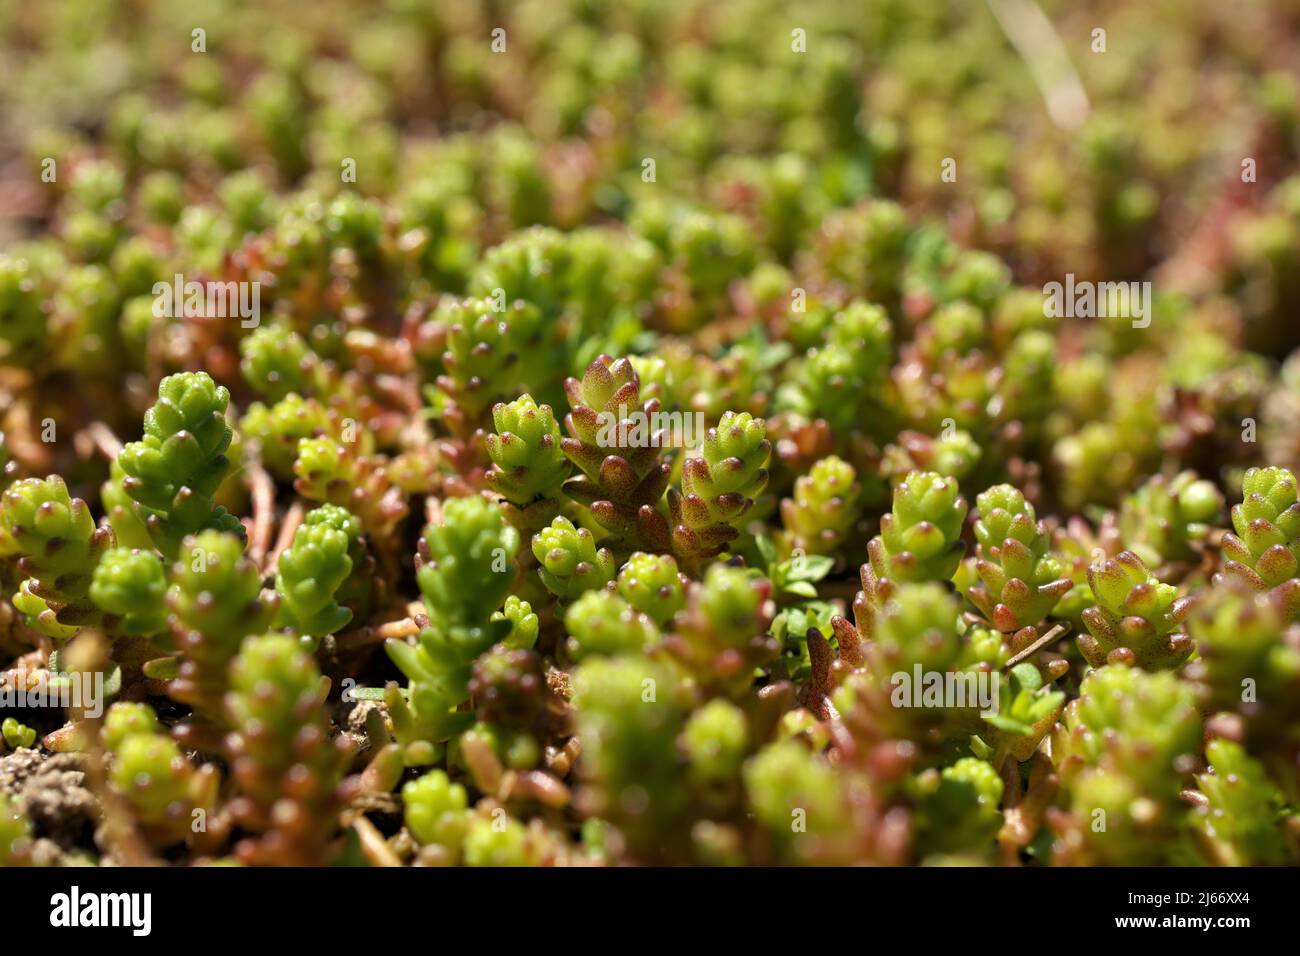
pixel 720 432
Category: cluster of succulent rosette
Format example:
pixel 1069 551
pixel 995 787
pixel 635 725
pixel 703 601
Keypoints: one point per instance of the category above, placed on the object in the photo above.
pixel 642 451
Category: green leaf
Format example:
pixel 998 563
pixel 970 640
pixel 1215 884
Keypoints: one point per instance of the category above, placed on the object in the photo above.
pixel 1009 725
pixel 1026 677
pixel 801 588
pixel 813 567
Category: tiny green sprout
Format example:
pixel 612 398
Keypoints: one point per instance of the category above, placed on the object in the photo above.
pixel 16 734
pixel 569 561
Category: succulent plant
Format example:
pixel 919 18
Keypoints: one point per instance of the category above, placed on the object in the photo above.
pixel 59 548
pixel 653 585
pixel 612 439
pixel 1138 619
pixel 1239 817
pixel 569 561
pixel 601 623
pixel 1246 672
pixel 466 570
pixel 914 635
pixel 169 796
pixel 626 637
pixel 435 811
pixel 959 808
pixel 16 734
pixel 820 516
pixel 287 768
pixel 721 637
pixel 629 713
pixel 274 360
pixel 334 473
pixel 715 740
pixel 919 540
pixel 1019 579
pixel 528 465
pixel 719 487
pixel 799 801
pixel 486 340
pixel 1266 548
pixel 173 473
pixel 1125 744
pixel 277 429
pixel 1169 520
pixel 313 569
pixel 131 585
pixel 523 622
pixel 920 537
pixel 215 601
pixel 836 379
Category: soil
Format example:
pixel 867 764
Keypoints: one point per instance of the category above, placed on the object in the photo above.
pixel 51 790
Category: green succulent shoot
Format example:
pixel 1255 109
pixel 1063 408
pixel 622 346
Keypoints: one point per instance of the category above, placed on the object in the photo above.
pixel 1027 711
pixel 1142 725
pixel 334 472
pixel 524 624
pixel 173 473
pixel 277 429
pixel 285 765
pixel 151 773
pixel 525 453
pixel 721 636
pixel 919 540
pixel 719 487
pixel 715 740
pixel 1169 519
pixel 1265 551
pixel 786 785
pixel 920 537
pixel 215 600
pixel 1124 748
pixel 275 361
pixel 59 547
pixel 600 623
pixel 17 734
pixel 653 585
pixel 1247 671
pixel 959 808
pixel 569 562
pixel 1020 580
pixel 612 441
pixel 120 512
pixel 483 357
pixel 436 813
pixel 1239 817
pixel 1138 619
pixel 629 715
pixel 466 570
pixel 130 587
pixel 825 506
pixel 312 570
